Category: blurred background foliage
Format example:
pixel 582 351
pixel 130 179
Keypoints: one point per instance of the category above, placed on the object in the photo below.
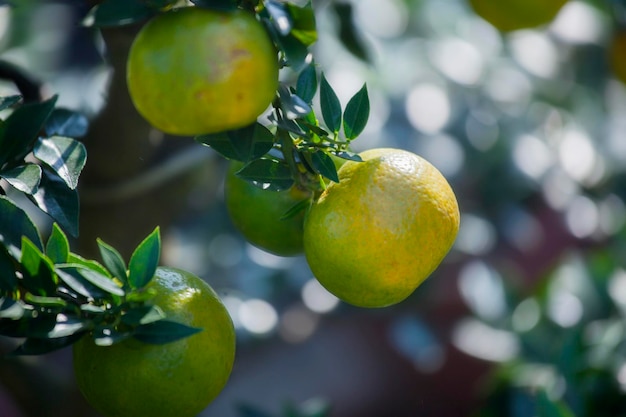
pixel 525 317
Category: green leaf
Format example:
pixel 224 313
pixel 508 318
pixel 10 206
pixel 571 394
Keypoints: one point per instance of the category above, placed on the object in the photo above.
pixel 21 129
pixel 143 315
pixel 549 408
pixel 88 263
pixel 15 224
pixel 24 178
pixel 356 114
pixel 267 174
pixel 306 85
pixel 331 107
pixel 10 309
pixel 350 156
pixel 8 279
pixel 70 276
pixel 296 53
pixel 296 208
pixel 66 157
pixel 223 5
pixel 118 13
pixel 347 31
pixel 64 122
pixel 293 106
pixel 113 261
pixel 246 144
pixel 58 247
pixel 279 16
pixel 39 277
pixel 163 331
pixel 43 301
pixel 60 202
pixel 39 346
pixel 304 27
pixel 324 165
pixel 144 260
pixel 8 101
pixel 107 336
pixel 101 281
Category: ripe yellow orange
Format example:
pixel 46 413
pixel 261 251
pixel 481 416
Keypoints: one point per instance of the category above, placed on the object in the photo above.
pixel 512 15
pixel 258 214
pixel 180 378
pixel 375 236
pixel 617 56
pixel 193 71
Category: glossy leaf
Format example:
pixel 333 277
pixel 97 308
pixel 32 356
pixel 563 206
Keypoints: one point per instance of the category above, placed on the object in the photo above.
pixel 8 101
pixel 39 278
pixel 70 276
pixel 296 53
pixel 43 301
pixel 107 336
pixel 8 279
pixel 304 26
pixel 60 202
pixel 246 144
pixel 118 13
pixel 164 331
pixel 306 85
pixel 10 309
pixel 22 127
pixel 58 247
pixel 88 263
pixel 350 156
pixel 101 281
pixel 15 224
pixel 324 165
pixel 293 106
pixel 113 261
pixel 143 315
pixel 356 114
pixel 224 5
pixel 24 178
pixel 267 174
pixel 64 122
pixel 144 260
pixel 66 157
pixel 279 16
pixel 331 107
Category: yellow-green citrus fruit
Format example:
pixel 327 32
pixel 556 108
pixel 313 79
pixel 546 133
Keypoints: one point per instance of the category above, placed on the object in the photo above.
pixel 258 214
pixel 136 379
pixel 375 236
pixel 192 71
pixel 509 15
pixel 617 56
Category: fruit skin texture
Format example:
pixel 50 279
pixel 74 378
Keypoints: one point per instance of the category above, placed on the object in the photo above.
pixel 375 236
pixel 512 15
pixel 257 213
pixel 192 71
pixel 181 378
pixel 617 56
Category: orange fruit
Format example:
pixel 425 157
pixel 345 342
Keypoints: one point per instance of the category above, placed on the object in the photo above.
pixel 258 214
pixel 132 378
pixel 512 15
pixel 193 71
pixel 372 238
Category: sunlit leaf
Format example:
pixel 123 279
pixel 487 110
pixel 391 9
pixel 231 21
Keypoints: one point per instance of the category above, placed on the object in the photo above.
pixel 15 224
pixel 246 144
pixel 60 202
pixel 24 178
pixel 143 315
pixel 39 278
pixel 144 260
pixel 304 26
pixel 58 247
pixel 279 16
pixel 66 157
pixel 64 122
pixel 293 106
pixel 113 261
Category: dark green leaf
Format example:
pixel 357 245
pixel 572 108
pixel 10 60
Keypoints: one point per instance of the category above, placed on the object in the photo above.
pixel 8 101
pixel 144 260
pixel 356 114
pixel 306 85
pixel 15 224
pixel 101 281
pixel 304 27
pixel 38 346
pixel 10 309
pixel 58 247
pixel 331 108
pixel 8 279
pixel 350 156
pixel 246 144
pixel 107 336
pixel 324 165
pixel 69 275
pixel 113 261
pixel 549 408
pixel 64 122
pixel 43 301
pixel 296 208
pixel 293 106
pixel 24 178
pixel 67 326
pixel 65 156
pixel 279 16
pixel 347 31
pixel 39 277
pixel 118 13
pixel 267 174
pixel 29 325
pixel 163 331
pixel 143 315
pixel 224 5
pixel 296 53
pixel 60 202
pixel 21 129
